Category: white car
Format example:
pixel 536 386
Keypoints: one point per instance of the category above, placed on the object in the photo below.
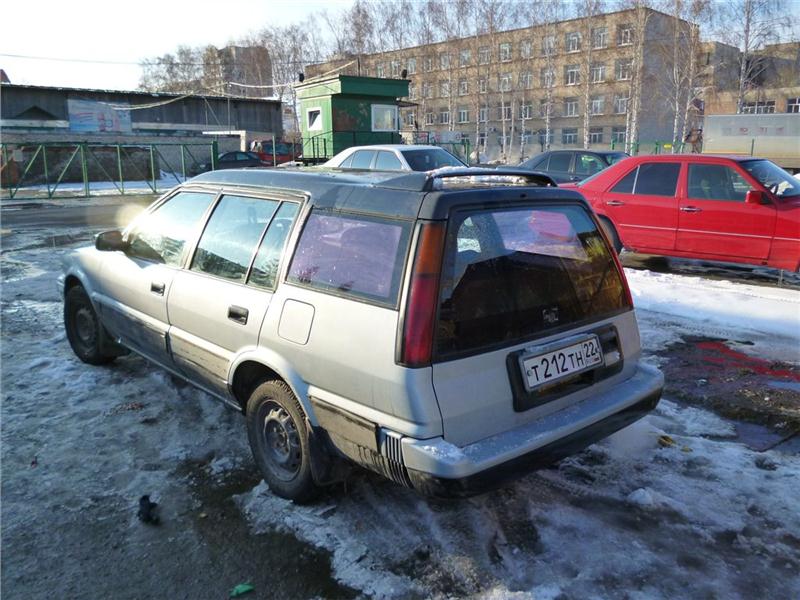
pixel 395 157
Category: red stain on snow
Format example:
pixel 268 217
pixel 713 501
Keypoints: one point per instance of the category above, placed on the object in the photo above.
pixel 720 354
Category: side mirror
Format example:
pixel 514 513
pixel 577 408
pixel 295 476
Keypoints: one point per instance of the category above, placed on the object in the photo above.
pixel 110 241
pixel 754 197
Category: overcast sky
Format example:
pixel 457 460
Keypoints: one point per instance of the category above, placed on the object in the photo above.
pixel 90 30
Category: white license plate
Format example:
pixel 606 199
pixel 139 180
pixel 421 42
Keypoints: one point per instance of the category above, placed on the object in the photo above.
pixel 548 367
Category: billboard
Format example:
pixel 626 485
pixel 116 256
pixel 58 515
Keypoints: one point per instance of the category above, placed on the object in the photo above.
pixel 93 116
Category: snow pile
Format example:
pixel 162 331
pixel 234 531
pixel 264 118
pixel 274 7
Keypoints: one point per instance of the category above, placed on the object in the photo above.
pixel 745 307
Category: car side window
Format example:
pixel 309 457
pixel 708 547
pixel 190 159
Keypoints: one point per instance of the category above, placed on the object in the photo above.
pixel 588 164
pixel 161 236
pixel 362 159
pixel 625 185
pixel 387 161
pixel 716 182
pixel 265 267
pixel 535 163
pixel 231 236
pixel 559 161
pixel 351 255
pixel 657 179
pixel 347 162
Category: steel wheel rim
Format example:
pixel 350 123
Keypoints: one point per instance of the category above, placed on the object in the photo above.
pixel 280 441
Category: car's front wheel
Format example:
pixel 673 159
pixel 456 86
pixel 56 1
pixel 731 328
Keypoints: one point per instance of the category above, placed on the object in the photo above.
pixel 276 428
pixel 84 330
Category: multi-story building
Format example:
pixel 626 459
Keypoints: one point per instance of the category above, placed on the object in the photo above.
pixel 244 71
pixel 588 82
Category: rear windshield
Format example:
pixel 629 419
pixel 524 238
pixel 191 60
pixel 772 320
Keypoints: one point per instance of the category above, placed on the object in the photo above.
pixel 513 274
pixel 430 158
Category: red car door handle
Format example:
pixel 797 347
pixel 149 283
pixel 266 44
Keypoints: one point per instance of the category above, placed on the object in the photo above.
pixel 690 209
pixel 615 203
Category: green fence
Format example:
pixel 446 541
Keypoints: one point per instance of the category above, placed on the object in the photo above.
pixel 82 169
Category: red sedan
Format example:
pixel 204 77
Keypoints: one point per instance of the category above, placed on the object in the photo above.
pixel 721 208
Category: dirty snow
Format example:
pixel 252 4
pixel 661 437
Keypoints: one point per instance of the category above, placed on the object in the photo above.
pixel 701 515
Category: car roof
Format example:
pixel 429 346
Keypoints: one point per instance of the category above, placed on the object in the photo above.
pixel 402 192
pixel 396 147
pixel 691 157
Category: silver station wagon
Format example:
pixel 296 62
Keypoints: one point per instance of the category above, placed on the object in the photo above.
pixel 448 329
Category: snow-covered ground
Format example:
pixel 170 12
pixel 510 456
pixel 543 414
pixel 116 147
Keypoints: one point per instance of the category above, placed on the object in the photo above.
pixel 675 506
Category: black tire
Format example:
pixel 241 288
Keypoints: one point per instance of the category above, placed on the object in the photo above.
pixel 611 233
pixel 84 330
pixel 279 440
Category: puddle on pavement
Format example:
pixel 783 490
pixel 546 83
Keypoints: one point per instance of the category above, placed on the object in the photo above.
pixel 276 563
pixel 761 397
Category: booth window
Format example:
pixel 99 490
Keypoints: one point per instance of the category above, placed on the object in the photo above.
pixel 384 117
pixel 314 117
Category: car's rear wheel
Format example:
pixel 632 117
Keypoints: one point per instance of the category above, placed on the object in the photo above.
pixel 84 330
pixel 611 233
pixel 276 428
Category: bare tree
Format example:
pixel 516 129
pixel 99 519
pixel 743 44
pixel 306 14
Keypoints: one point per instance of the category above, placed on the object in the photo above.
pixel 589 10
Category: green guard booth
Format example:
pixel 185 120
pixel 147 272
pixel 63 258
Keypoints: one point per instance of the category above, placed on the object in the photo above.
pixel 341 111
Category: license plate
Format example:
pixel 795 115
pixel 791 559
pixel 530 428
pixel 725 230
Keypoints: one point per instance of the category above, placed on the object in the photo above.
pixel 548 367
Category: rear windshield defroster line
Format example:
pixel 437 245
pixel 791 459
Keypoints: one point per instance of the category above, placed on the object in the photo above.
pixel 514 274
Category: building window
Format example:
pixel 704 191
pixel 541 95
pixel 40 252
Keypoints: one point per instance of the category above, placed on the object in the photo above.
pixel 314 119
pixel 793 105
pixel 411 118
pixel 504 112
pixel 544 107
pixel 427 64
pixel 569 136
pixel 572 75
pixel 505 52
pixel 412 91
pixel 570 107
pixel 463 114
pixel 598 72
pixel 427 90
pixel 548 45
pixel 620 105
pixel 595 135
pixel 623 69
pixel 547 78
pixel 618 135
pixel 430 118
pixel 484 55
pixel 766 107
pixel 444 61
pixel 384 117
pixel 463 87
pixel 464 57
pixel 525 49
pixel 483 114
pixel 483 85
pixel 573 42
pixel 526 80
pixel 504 82
pixel 597 105
pixel 526 139
pixel 526 111
pixel 444 117
pixel 395 68
pixel 600 38
pixel 411 66
pixel 480 139
pixel 624 35
pixel 444 89
pixel 380 70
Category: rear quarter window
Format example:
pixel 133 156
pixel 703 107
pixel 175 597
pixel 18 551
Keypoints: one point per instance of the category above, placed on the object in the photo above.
pixel 352 255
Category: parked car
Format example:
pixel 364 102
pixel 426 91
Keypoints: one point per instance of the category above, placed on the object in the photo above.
pixel 448 329
pixel 571 165
pixel 730 209
pixel 284 152
pixel 395 157
pixel 236 160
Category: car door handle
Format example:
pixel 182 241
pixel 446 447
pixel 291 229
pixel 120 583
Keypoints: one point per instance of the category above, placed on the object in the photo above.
pixel 615 203
pixel 157 287
pixel 692 209
pixel 238 314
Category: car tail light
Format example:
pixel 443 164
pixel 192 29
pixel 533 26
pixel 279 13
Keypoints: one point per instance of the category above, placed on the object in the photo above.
pixel 622 276
pixel 423 295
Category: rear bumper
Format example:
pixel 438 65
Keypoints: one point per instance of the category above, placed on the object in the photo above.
pixel 438 468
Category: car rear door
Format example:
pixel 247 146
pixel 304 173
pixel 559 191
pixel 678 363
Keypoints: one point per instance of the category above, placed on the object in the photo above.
pixel 217 306
pixel 643 205
pixel 559 167
pixel 714 219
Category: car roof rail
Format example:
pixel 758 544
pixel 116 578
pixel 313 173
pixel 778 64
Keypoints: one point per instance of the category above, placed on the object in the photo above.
pixel 450 178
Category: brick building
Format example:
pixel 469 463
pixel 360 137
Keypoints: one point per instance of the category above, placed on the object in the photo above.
pixel 578 80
